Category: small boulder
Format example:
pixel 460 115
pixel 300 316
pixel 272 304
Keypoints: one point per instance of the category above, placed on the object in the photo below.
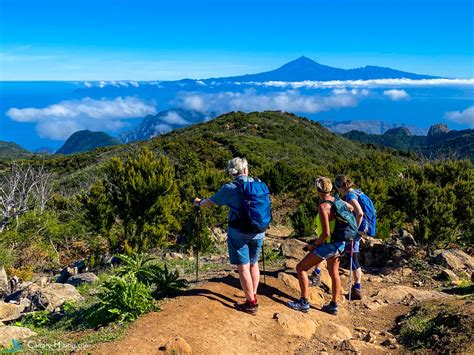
pixel 407 238
pixel 336 331
pixel 293 248
pixel 316 294
pixel 81 279
pixel 9 333
pixel 297 324
pixel 41 281
pixel 4 287
pixel 454 259
pixel 9 311
pixel 360 347
pixel 176 345
pixel 448 275
pixel 77 268
pixel 54 295
pixel 370 337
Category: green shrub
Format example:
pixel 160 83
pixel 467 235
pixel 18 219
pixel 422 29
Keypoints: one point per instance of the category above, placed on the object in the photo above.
pixel 168 283
pixel 124 299
pixel 136 264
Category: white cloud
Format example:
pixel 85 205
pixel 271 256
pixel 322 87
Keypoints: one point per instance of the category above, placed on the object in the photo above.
pixel 374 83
pixel 250 100
pixel 396 95
pixel 463 117
pixel 173 117
pixel 60 120
pixel 161 129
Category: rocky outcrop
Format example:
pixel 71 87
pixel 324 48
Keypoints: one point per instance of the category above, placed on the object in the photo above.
pixel 74 269
pixel 54 295
pixel 401 295
pixel 9 312
pixel 454 259
pixel 438 130
pixel 9 333
pixel 33 297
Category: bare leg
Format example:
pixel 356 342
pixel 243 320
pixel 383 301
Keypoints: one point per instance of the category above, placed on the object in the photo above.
pixel 246 281
pixel 357 275
pixel 255 274
pixel 333 268
pixel 302 269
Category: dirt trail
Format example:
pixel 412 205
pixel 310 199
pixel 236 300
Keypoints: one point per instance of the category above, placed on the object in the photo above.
pixel 206 318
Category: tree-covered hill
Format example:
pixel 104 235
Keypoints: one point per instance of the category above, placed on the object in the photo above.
pixel 138 195
pixel 10 150
pixel 85 140
pixel 439 145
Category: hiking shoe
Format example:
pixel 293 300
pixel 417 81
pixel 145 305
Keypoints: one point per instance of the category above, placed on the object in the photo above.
pixel 299 305
pixel 247 307
pixel 315 279
pixel 356 294
pixel 330 308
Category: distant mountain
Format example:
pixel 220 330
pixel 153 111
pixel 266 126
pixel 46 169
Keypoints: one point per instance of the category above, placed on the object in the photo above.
pixel 44 150
pixel 399 131
pixel 305 68
pixel 10 150
pixel 440 143
pixel 370 127
pixel 82 141
pixel 163 122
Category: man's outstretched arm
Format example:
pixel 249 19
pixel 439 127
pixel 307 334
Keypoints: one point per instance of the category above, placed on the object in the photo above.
pixel 203 203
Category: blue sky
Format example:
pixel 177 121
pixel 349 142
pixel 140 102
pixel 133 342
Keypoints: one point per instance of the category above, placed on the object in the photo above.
pixel 163 40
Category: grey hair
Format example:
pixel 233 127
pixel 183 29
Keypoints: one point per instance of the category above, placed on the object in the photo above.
pixel 237 166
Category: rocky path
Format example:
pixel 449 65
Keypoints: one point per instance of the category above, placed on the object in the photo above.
pixel 204 320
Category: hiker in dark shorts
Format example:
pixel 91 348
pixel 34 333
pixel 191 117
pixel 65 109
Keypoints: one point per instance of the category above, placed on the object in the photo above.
pixel 344 187
pixel 321 250
pixel 244 248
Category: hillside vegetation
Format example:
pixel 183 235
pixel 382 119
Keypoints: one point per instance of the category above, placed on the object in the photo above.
pixel 82 141
pixel 10 150
pixel 444 145
pixel 138 196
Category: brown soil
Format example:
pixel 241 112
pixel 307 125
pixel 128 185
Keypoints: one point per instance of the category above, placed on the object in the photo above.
pixel 206 318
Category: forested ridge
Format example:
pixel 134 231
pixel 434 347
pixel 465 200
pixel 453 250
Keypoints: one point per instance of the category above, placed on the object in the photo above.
pixel 138 196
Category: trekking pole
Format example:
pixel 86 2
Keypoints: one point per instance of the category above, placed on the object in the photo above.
pixel 263 262
pixel 350 272
pixel 198 239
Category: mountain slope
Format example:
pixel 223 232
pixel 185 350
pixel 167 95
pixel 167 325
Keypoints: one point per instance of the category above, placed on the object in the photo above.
pixel 161 123
pixel 367 126
pixel 305 68
pixel 449 144
pixel 10 150
pixel 82 141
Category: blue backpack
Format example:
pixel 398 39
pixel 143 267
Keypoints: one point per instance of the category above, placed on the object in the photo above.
pixel 255 213
pixel 370 214
pixel 343 215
